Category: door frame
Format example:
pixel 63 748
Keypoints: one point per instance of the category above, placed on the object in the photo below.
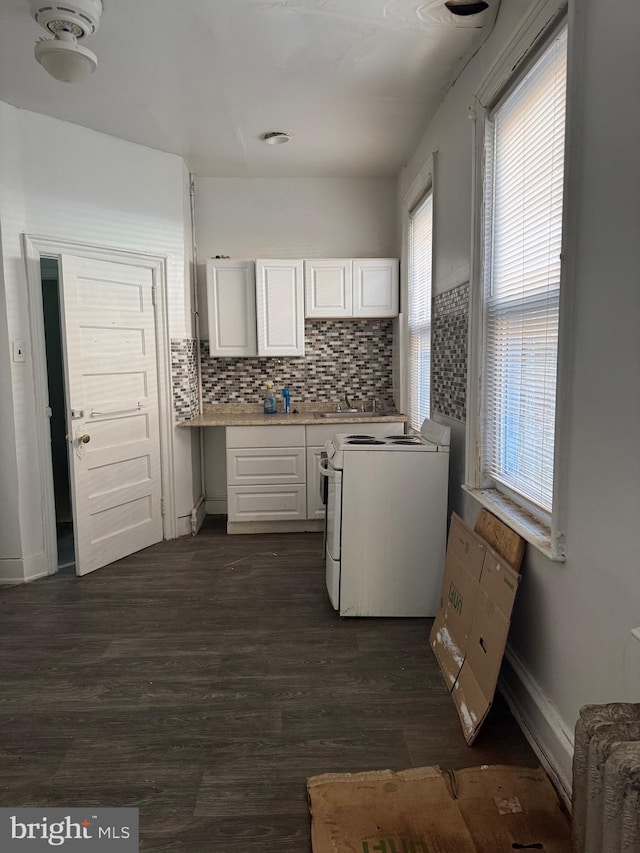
pixel 34 248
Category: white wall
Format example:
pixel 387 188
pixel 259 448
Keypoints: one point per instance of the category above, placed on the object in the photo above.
pixel 296 217
pixel 571 627
pixel 61 180
pixel 12 219
pixel 286 218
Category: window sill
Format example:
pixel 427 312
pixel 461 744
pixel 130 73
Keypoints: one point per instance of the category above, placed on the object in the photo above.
pixel 532 531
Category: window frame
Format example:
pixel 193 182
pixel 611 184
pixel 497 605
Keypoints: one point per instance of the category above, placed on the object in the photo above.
pixel 425 326
pixel 423 183
pixel 544 531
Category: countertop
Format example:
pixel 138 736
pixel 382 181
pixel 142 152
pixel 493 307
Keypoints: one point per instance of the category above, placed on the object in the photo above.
pixel 250 415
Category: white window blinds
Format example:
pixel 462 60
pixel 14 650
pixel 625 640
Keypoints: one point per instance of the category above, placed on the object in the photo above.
pixel 523 231
pixel 419 309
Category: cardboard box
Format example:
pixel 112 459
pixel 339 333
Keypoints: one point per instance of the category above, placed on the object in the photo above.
pixel 469 633
pixel 462 571
pixel 478 810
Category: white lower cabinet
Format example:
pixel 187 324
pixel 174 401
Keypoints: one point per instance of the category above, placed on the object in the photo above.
pixel 266 474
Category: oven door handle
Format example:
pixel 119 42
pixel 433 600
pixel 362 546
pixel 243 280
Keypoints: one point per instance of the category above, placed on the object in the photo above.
pixel 325 471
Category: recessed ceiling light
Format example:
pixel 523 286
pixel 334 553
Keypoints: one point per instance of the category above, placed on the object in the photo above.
pixel 276 137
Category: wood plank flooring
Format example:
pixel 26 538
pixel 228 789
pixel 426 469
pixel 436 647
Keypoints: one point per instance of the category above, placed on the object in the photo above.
pixel 202 680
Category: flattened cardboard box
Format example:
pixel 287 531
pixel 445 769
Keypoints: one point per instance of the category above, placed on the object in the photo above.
pixel 470 630
pixel 462 570
pixel 426 810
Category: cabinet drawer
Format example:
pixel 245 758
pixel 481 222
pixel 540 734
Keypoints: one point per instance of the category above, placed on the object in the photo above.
pixel 265 465
pixel 265 436
pixel 318 434
pixel 266 503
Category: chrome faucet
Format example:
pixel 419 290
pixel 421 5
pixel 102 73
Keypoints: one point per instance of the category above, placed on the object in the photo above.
pixel 348 402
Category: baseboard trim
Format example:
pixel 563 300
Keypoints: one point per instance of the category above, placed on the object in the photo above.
pixel 17 571
pixel 309 525
pixel 36 567
pixel 183 526
pixel 216 506
pixel 540 722
pixel 11 572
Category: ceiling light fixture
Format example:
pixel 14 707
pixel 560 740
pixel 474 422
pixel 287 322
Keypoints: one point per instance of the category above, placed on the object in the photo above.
pixel 463 9
pixel 62 56
pixel 276 137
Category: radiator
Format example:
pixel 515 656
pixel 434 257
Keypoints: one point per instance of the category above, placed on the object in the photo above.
pixel 606 779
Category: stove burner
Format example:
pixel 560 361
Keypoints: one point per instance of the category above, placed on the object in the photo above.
pixel 360 436
pixel 365 441
pixel 410 442
pixel 409 439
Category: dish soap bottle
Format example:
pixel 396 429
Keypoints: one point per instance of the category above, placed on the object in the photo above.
pixel 286 401
pixel 269 399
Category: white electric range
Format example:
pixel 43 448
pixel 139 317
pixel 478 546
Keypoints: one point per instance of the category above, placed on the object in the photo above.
pixel 386 521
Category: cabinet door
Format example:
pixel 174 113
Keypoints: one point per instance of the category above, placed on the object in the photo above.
pixel 375 287
pixel 315 507
pixel 231 304
pixel 280 307
pixel 327 288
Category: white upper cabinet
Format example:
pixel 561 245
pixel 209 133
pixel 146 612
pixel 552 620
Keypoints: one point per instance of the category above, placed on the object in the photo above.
pixel 342 287
pixel 327 288
pixel 375 287
pixel 279 307
pixel 231 304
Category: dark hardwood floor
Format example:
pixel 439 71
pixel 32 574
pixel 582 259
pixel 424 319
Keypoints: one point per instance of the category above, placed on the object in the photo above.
pixel 202 680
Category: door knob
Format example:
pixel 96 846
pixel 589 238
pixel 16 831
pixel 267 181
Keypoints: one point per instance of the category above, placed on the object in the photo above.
pixel 85 439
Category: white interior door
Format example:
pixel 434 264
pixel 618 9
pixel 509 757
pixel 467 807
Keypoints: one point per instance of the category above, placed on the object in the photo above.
pixel 112 399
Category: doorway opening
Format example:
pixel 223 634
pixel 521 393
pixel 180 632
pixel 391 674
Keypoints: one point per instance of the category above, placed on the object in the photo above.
pixel 49 274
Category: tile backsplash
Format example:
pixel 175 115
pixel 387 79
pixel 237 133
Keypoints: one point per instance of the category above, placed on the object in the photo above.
pixel 341 357
pixel 450 323
pixel 184 378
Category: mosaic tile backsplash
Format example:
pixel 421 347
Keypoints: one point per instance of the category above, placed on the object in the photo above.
pixel 450 323
pixel 341 357
pixel 184 378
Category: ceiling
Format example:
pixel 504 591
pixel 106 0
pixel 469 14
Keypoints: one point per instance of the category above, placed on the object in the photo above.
pixel 353 81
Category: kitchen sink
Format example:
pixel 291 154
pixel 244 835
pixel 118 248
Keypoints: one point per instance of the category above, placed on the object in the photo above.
pixel 355 416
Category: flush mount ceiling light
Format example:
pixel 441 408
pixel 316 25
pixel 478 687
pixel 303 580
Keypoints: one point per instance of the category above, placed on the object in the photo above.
pixel 62 56
pixel 462 8
pixel 276 137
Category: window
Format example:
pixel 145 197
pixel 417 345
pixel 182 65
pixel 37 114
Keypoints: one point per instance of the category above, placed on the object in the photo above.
pixel 524 170
pixel 419 309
